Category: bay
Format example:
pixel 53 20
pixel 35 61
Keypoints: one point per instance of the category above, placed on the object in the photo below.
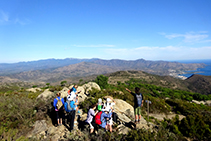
pixel 202 71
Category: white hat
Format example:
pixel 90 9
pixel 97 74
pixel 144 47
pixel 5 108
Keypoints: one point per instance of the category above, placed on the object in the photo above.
pixel 99 100
pixel 108 100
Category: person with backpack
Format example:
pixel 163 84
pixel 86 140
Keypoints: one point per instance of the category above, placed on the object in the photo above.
pixel 71 94
pixel 58 105
pixel 103 118
pixel 109 104
pixel 90 116
pixel 72 114
pixel 138 103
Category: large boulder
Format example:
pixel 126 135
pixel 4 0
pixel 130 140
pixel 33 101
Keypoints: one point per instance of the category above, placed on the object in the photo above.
pixel 87 87
pixel 64 92
pixel 124 108
pixel 46 94
pixel 81 95
pixel 39 127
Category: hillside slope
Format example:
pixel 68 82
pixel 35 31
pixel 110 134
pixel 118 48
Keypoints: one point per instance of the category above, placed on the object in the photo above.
pixel 199 83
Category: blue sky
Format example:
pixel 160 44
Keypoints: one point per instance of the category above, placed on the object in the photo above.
pixel 106 29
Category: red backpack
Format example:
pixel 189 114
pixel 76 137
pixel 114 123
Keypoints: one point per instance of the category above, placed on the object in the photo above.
pixel 97 118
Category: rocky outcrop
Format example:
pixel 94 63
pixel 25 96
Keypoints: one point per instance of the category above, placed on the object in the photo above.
pixel 33 90
pixel 87 87
pixel 208 102
pixel 46 94
pixel 85 90
pixel 42 132
pixel 39 127
pixel 64 92
pixel 122 108
pixel 198 102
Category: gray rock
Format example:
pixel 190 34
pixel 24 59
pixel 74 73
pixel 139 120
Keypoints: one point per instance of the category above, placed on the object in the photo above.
pixel 123 117
pixel 198 102
pixel 56 137
pixel 81 96
pixel 46 94
pixel 33 90
pixel 64 92
pixel 122 107
pixel 87 87
pixel 39 126
pixel 123 129
pixel 208 102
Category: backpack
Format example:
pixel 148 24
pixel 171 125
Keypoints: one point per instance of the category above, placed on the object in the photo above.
pixel 139 99
pixel 97 118
pixel 67 106
pixel 59 103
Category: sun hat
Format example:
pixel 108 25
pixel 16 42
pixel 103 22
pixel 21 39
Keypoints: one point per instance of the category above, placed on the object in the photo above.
pixel 108 100
pixel 99 100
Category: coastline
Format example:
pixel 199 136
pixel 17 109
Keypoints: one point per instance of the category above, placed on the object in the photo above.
pixel 175 74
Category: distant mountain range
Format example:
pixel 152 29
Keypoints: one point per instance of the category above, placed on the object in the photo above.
pixel 53 70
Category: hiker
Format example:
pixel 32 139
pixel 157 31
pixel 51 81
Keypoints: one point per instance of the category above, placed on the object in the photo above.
pixel 71 94
pixel 105 114
pixel 91 114
pixel 72 113
pixel 109 104
pixel 99 105
pixel 58 104
pixel 74 89
pixel 76 105
pixel 138 103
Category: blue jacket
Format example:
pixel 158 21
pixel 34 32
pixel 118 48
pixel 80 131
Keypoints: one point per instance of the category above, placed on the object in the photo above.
pixel 55 102
pixel 103 118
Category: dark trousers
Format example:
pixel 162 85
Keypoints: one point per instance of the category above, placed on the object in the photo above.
pixel 71 118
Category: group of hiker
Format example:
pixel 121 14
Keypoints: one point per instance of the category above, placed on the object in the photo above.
pixel 70 105
pixel 100 115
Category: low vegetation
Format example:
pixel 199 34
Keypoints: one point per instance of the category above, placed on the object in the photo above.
pixel 19 109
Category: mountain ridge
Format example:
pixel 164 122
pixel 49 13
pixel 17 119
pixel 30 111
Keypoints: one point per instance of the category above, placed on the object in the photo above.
pixel 6 69
pixel 53 70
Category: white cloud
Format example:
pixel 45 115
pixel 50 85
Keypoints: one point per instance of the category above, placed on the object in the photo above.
pixel 99 45
pixel 21 22
pixel 4 17
pixel 160 53
pixel 190 37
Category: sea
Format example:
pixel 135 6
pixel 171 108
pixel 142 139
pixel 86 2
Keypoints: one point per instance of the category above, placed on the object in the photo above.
pixel 202 71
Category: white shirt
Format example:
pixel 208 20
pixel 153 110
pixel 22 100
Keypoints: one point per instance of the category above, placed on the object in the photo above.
pixel 109 105
pixel 71 96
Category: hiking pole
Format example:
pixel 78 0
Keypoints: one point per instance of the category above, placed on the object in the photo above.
pixel 148 102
